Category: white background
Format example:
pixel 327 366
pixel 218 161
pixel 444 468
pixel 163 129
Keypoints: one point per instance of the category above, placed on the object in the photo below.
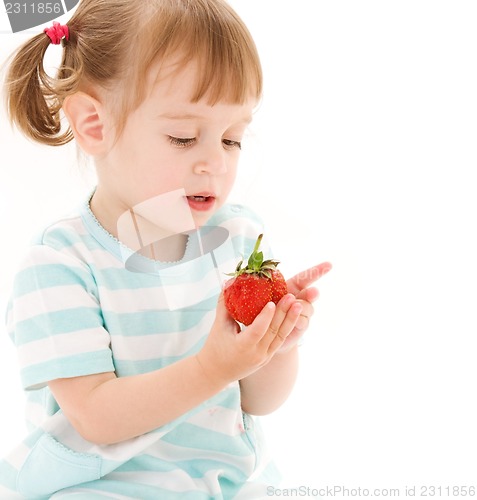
pixel 362 153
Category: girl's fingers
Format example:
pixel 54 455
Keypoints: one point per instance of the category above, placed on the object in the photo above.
pixel 286 328
pixel 305 278
pixel 308 294
pixel 283 322
pixel 260 326
pixel 274 323
pixel 305 315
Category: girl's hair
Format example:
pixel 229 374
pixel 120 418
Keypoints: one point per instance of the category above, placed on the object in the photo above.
pixel 112 45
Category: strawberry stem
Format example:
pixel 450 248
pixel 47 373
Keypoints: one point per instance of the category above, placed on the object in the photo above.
pixel 257 243
pixel 256 258
pixel 255 264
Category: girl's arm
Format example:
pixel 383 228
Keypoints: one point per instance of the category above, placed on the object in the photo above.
pixel 106 409
pixel 268 388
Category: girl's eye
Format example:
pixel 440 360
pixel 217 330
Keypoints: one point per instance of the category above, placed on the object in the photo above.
pixel 181 142
pixel 232 144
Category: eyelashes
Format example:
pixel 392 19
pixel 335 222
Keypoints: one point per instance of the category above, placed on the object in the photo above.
pixel 232 144
pixel 181 142
pixel 186 142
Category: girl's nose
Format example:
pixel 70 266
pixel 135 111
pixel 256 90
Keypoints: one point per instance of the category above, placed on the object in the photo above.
pixel 213 162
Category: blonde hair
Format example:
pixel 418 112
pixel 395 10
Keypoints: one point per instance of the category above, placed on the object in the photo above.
pixel 112 45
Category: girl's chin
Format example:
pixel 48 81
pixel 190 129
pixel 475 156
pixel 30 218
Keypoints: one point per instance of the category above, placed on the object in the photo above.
pixel 201 221
pixel 201 217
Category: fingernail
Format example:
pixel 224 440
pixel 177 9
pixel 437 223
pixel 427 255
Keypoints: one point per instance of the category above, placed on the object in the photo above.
pixel 288 299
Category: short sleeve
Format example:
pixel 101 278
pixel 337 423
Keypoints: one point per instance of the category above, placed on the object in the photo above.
pixel 54 319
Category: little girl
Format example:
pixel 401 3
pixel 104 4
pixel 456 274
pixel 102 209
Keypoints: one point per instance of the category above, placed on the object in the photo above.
pixel 139 383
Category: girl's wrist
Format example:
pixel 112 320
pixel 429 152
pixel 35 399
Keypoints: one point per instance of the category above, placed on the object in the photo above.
pixel 283 352
pixel 286 349
pixel 210 376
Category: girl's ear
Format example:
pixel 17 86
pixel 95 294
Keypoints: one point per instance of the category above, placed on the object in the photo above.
pixel 86 117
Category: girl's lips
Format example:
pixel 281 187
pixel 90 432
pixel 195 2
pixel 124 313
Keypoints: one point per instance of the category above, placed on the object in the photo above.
pixel 200 202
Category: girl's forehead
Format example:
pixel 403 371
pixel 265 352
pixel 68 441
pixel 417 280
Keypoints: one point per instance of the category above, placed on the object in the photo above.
pixel 173 76
pixel 174 106
pixel 182 78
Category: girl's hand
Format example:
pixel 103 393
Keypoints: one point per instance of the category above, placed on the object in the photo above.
pixel 305 295
pixel 230 354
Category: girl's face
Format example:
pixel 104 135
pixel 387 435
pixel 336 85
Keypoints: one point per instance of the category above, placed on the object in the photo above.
pixel 173 148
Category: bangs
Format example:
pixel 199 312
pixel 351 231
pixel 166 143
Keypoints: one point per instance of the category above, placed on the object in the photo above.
pixel 229 66
pixel 210 34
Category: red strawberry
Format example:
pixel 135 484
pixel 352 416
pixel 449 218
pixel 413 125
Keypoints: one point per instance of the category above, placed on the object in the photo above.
pixel 253 286
pixel 279 286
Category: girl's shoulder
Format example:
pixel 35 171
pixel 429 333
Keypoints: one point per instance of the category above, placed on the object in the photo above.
pixel 60 233
pixel 64 240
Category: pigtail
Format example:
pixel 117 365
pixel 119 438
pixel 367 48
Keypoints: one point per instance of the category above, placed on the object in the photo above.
pixel 33 98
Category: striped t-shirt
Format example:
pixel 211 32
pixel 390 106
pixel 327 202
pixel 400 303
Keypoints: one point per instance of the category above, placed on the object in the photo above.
pixel 83 303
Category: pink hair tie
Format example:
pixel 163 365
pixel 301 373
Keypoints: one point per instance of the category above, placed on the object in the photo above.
pixel 57 32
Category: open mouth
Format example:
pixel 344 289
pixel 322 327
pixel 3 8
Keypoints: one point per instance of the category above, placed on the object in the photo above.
pixel 201 202
pixel 199 198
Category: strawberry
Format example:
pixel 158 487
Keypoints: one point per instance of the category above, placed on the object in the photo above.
pixel 253 286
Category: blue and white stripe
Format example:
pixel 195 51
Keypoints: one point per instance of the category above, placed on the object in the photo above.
pixel 83 304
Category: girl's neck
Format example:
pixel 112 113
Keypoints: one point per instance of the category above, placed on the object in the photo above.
pixel 170 249
pixel 139 234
